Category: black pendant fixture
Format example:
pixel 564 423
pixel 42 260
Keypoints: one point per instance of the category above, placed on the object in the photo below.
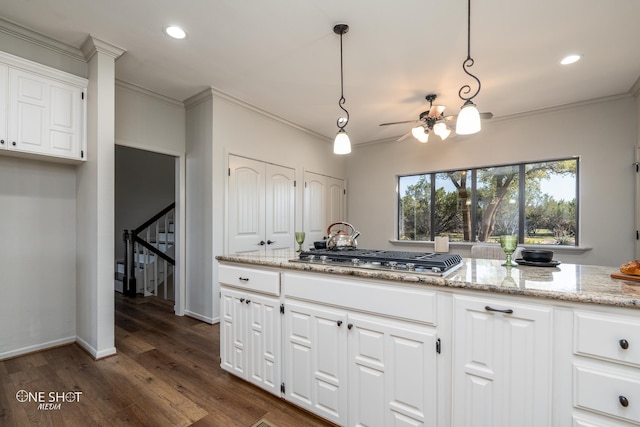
pixel 342 144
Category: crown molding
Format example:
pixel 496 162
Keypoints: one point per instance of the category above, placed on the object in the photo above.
pixel 138 89
pixel 32 37
pixel 93 45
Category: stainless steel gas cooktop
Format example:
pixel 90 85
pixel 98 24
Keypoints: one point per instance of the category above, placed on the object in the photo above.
pixel 434 264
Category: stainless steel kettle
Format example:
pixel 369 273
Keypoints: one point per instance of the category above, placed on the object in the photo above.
pixel 342 239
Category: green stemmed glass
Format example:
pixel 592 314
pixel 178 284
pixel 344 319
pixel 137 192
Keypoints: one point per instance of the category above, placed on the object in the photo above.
pixel 508 244
pixel 299 239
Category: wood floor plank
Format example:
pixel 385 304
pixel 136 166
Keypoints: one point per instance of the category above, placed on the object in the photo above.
pixel 166 373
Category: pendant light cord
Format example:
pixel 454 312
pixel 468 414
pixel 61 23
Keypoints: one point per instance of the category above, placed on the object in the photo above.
pixel 468 63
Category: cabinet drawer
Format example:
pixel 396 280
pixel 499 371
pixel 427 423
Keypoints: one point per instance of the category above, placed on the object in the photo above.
pixel 605 337
pixel 602 391
pixel 267 282
pixel 388 300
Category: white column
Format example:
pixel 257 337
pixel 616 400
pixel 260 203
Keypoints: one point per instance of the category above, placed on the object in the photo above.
pixel 95 206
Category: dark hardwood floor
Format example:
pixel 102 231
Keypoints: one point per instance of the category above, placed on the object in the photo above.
pixel 166 373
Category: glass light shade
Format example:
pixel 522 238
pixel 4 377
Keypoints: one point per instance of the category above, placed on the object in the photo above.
pixel 342 144
pixel 441 130
pixel 419 134
pixel 468 119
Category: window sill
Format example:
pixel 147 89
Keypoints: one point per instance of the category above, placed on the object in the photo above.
pixel 575 250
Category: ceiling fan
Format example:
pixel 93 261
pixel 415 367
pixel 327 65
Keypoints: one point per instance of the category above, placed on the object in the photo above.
pixel 432 120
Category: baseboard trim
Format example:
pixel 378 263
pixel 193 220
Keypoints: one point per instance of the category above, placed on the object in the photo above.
pixel 93 352
pixel 36 347
pixel 206 319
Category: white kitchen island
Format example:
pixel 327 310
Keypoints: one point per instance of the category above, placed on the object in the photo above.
pixel 485 345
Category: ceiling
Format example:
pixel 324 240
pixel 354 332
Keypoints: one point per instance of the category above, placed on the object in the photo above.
pixel 282 56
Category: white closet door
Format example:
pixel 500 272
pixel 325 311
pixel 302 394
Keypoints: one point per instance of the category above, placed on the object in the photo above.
pixel 246 205
pixel 280 208
pixel 336 205
pixel 324 204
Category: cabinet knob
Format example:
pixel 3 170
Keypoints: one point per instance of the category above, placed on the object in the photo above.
pixel 624 344
pixel 241 299
pixel 623 401
pixel 14 143
pixel 248 301
pixel 2 141
pixel 339 322
pixel 350 325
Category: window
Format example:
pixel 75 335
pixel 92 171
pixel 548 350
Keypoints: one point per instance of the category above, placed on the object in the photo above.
pixel 535 201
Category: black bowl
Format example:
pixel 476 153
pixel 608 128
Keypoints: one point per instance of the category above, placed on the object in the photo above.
pixel 537 255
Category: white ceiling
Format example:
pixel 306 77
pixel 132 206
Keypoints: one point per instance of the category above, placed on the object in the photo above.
pixel 282 56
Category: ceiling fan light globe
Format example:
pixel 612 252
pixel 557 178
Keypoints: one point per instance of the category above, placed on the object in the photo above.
pixel 342 143
pixel 441 130
pixel 468 120
pixel 419 133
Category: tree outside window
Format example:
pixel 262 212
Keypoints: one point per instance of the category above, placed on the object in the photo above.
pixel 536 201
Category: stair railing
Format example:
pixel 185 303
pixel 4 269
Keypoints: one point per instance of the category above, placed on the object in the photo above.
pixel 140 253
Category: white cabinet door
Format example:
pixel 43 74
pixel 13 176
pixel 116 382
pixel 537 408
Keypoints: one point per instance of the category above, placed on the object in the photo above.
pixel 250 338
pixel 315 344
pixel 233 332
pixel 502 363
pixel 261 206
pixel 45 116
pixel 392 373
pixel 324 204
pixel 264 342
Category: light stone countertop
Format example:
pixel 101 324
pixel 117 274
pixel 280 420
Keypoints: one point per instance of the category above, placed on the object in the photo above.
pixel 566 282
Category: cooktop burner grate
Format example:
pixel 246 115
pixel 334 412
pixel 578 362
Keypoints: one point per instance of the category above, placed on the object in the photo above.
pixel 422 262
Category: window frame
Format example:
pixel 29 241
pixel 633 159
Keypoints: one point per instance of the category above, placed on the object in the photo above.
pixel 473 211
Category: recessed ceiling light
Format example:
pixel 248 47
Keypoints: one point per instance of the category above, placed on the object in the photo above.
pixel 175 32
pixel 570 59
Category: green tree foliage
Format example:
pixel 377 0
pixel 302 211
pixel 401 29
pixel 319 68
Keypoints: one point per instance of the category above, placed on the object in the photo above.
pixel 497 206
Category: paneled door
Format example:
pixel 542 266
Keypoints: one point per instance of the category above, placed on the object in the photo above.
pixel 324 204
pixel 261 207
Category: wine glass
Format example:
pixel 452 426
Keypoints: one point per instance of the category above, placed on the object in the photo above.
pixel 300 239
pixel 508 244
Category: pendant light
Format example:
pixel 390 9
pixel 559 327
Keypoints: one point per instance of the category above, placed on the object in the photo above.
pixel 469 118
pixel 342 144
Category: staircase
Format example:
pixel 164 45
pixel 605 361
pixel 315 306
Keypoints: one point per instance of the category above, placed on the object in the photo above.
pixel 149 258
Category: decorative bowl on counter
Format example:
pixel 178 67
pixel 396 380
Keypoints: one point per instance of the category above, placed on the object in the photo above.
pixel 537 255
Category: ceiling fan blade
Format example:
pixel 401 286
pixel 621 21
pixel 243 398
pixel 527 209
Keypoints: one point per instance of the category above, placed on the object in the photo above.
pixel 436 110
pixel 399 123
pixel 483 116
pixel 405 136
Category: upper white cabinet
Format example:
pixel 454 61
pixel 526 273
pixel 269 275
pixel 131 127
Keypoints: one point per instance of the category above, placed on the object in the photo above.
pixel 42 111
pixel 324 204
pixel 261 206
pixel 501 363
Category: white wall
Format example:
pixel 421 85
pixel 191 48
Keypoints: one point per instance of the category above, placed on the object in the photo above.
pixel 216 127
pixel 37 255
pixel 602 133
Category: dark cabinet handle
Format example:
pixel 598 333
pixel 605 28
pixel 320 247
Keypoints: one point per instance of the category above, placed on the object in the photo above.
pixel 623 401
pixel 2 141
pixel 624 344
pixel 14 143
pixel 507 311
pixel 248 301
pixel 262 243
pixel 244 279
pixel 350 325
pixel 339 322
pixel 270 242
pixel 241 299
